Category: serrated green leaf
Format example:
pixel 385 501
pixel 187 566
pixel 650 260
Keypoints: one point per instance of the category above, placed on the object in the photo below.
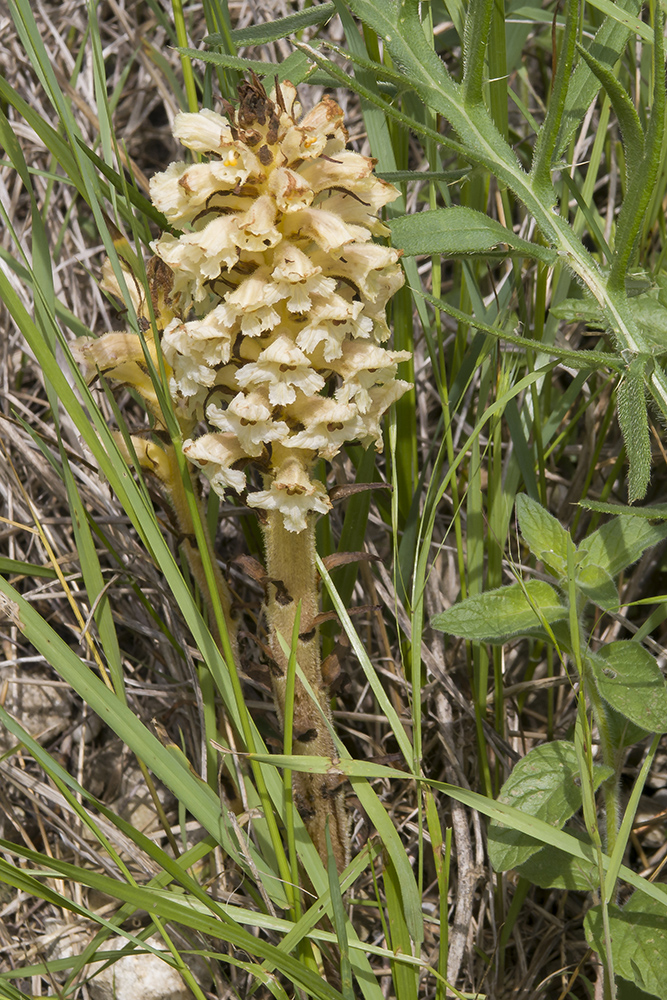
pixel 639 941
pixel 499 615
pixel 460 231
pixel 545 783
pixel 620 543
pixel 628 677
pixel 544 535
pixel 598 586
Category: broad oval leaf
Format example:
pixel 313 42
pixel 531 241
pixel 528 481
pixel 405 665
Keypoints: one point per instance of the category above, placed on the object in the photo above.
pixel 639 941
pixel 545 783
pixel 628 677
pixel 619 543
pixel 598 586
pixel 545 536
pixel 622 732
pixel 502 614
pixel 460 231
pixel 553 869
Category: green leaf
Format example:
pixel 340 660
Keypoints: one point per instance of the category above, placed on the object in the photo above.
pixel 650 311
pixel 598 586
pixel 607 46
pixel 639 190
pixel 260 34
pixel 296 67
pixel 628 119
pixel 168 764
pixel 628 677
pixel 619 543
pixel 171 906
pixel 554 869
pixel 582 310
pixel 622 732
pixel 499 615
pixel 650 511
pixel 543 534
pixel 639 941
pixel 10 567
pixel 460 231
pixel 621 13
pixel 545 833
pixel 625 990
pixel 546 784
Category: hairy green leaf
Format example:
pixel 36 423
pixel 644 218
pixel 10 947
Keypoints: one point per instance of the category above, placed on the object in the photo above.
pixel 554 869
pixel 639 941
pixel 546 784
pixel 628 119
pixel 582 310
pixel 460 232
pixel 598 586
pixel 656 511
pixel 628 677
pixel 543 534
pixel 619 543
pixel 633 419
pixel 607 46
pixel 499 615
pixel 260 34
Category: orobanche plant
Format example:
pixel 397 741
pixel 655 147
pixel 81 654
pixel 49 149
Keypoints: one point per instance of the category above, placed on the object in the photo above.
pixel 622 698
pixel 270 297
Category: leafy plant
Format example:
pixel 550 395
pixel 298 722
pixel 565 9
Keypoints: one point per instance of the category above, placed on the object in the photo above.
pixel 528 147
pixel 622 697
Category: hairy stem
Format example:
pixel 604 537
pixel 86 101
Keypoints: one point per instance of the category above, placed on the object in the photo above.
pixel 292 579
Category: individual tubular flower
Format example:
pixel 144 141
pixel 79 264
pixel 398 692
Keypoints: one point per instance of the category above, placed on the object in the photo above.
pixel 277 261
pixel 123 357
pixel 293 494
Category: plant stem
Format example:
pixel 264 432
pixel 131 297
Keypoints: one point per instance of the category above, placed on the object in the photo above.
pixel 292 580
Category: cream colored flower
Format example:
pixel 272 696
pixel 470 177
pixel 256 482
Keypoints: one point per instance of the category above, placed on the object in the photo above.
pixel 284 369
pixel 204 131
pixel 371 268
pixel 330 323
pixel 294 494
pixel 195 350
pixel 381 398
pixel 327 425
pixel 215 454
pixel 183 191
pixel 277 261
pixel 250 418
pixel 363 366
